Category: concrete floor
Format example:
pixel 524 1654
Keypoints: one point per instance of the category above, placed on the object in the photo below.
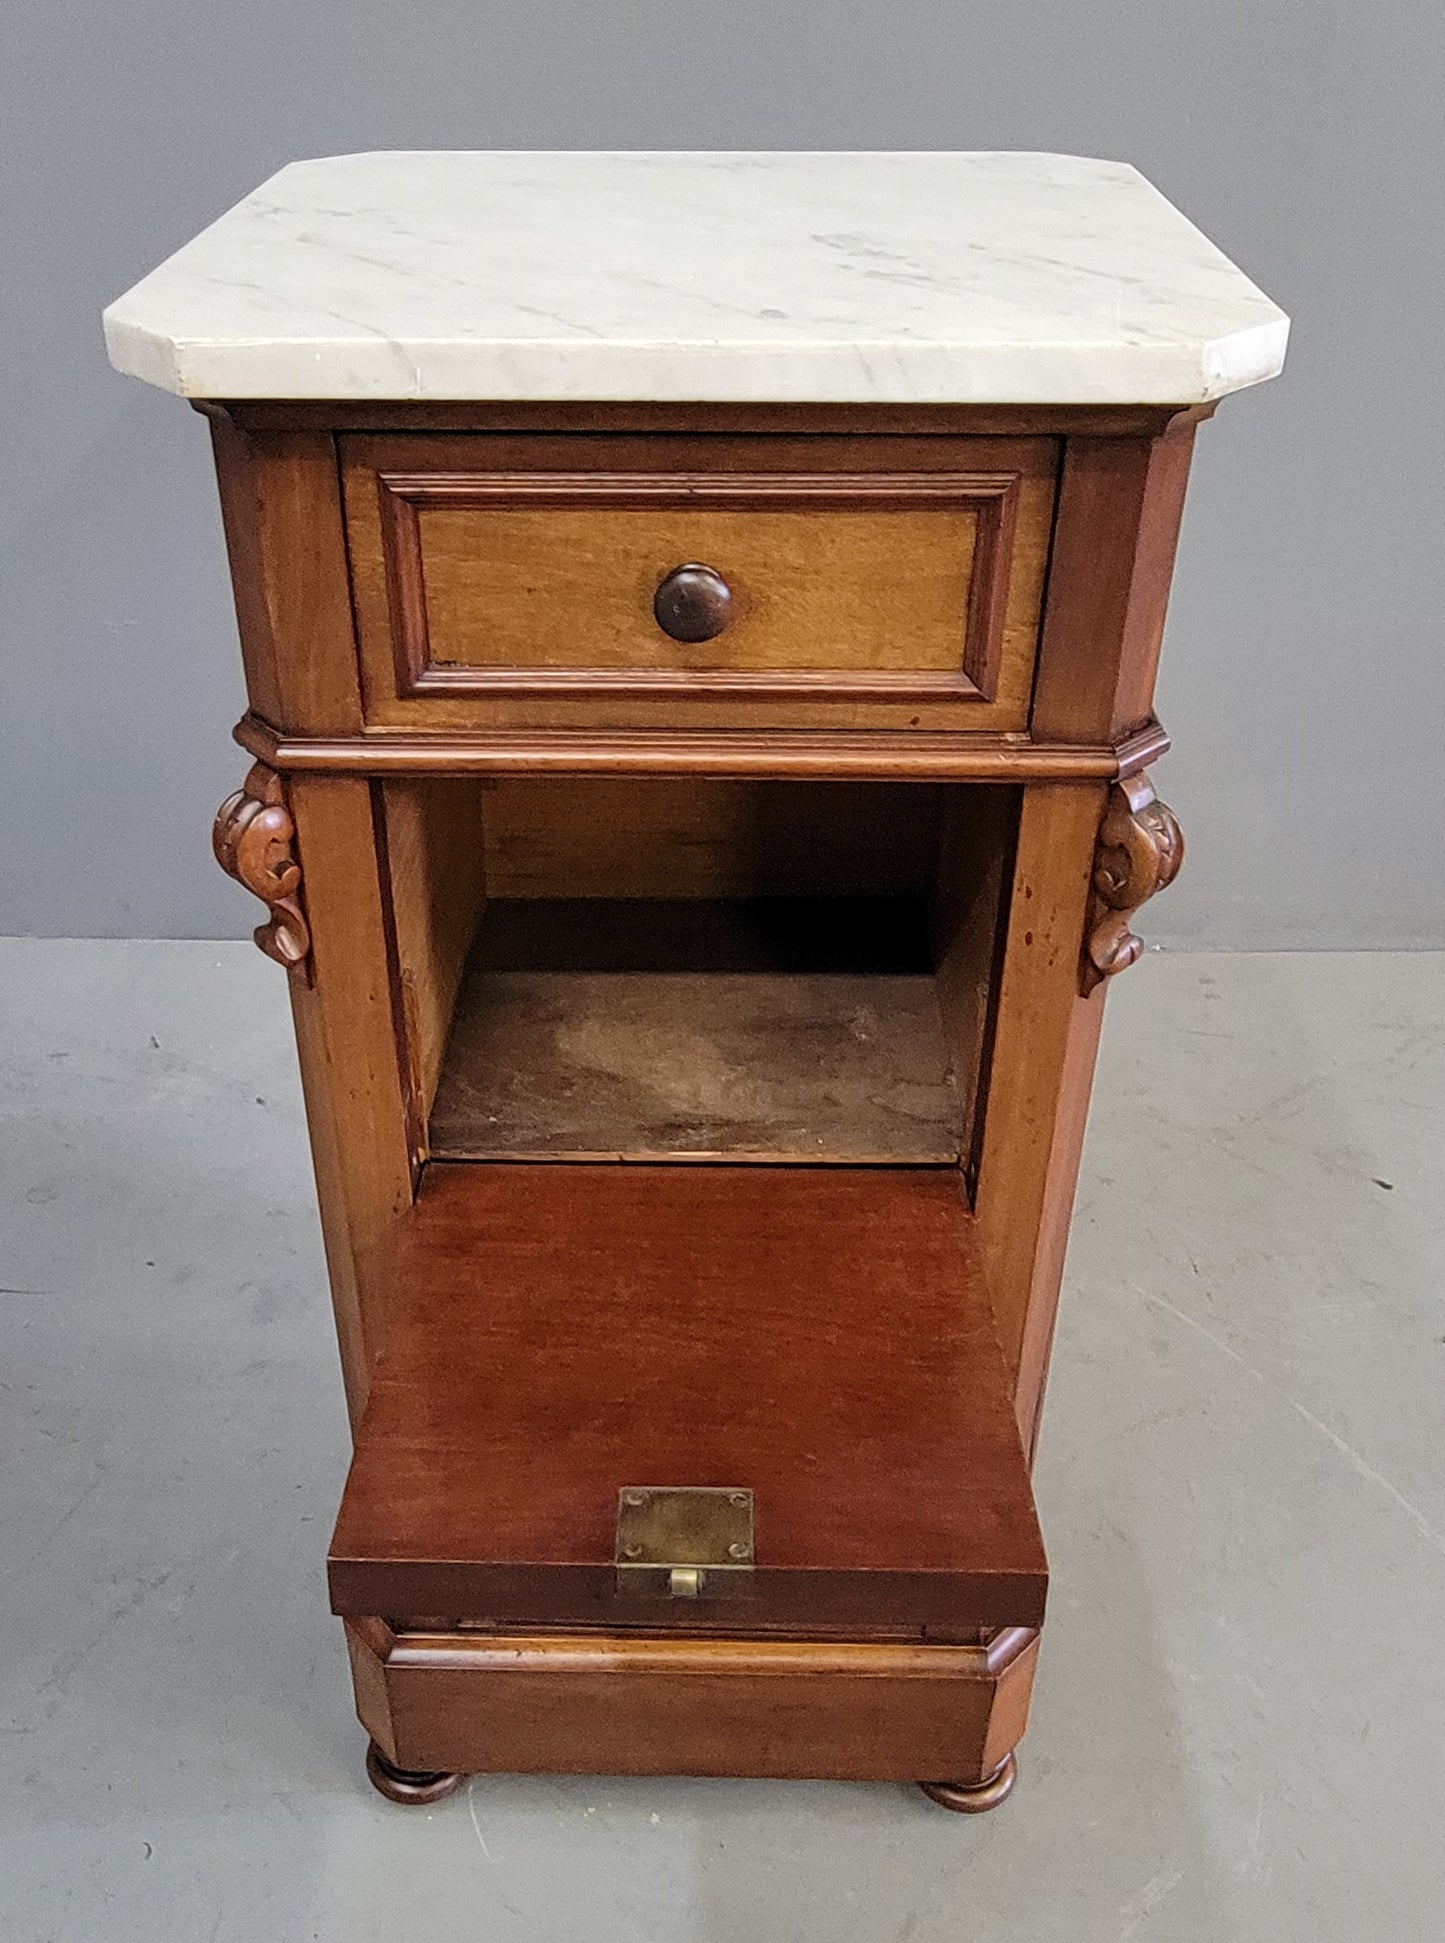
pixel 1240 1713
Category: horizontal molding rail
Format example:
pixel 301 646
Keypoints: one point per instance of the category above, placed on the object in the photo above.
pixel 768 754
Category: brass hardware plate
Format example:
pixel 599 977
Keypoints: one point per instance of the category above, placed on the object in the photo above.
pixel 684 1542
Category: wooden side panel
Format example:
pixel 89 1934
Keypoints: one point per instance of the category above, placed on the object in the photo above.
pixel 1009 1714
pixel 368 1642
pixel 1116 530
pixel 345 1035
pixel 1020 1158
pixel 240 518
pixel 281 506
pixel 1115 535
pixel 608 1705
pixel 1061 1179
pixel 976 832
pixel 436 883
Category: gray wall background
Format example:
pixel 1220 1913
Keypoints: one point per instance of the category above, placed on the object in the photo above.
pixel 1303 670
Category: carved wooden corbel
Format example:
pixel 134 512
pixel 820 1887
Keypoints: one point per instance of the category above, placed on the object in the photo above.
pixel 254 841
pixel 1139 850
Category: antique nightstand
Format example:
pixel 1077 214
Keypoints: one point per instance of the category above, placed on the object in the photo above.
pixel 700 616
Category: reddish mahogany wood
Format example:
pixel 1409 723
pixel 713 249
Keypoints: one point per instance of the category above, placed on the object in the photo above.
pixel 833 1354
pixel 1115 532
pixel 281 507
pixel 822 1337
pixel 612 1703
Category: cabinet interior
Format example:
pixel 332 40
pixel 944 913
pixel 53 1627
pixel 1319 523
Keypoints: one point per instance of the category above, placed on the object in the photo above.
pixel 696 970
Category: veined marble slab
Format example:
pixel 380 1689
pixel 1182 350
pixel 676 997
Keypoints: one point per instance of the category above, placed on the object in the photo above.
pixel 845 277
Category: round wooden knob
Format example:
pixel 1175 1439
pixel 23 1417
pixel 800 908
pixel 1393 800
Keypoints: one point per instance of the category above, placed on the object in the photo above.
pixel 693 603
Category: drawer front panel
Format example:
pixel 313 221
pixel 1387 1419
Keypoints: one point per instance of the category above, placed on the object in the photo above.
pixel 513 580
pixel 573 588
pixel 604 1703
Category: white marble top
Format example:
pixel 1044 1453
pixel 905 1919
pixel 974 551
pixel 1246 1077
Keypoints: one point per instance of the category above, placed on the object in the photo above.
pixel 846 277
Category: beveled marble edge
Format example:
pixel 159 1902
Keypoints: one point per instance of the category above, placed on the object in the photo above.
pixel 627 373
pixel 1117 298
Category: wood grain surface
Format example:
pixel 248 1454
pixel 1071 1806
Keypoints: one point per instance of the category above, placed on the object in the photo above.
pixel 346 1039
pixel 281 508
pixel 622 1704
pixel 691 836
pixel 765 1029
pixel 507 580
pixel 821 1336
pixel 574 587
pixel 776 755
pixel 433 866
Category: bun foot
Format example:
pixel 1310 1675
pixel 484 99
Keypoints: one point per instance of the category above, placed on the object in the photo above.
pixel 975 1798
pixel 412 1786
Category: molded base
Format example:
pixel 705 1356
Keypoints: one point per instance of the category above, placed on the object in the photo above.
pixel 467 1702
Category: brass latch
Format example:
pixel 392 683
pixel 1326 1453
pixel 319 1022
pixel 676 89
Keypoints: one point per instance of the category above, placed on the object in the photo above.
pixel 690 1542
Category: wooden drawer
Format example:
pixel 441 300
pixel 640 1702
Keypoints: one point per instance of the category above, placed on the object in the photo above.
pixel 604 1703
pixel 512 580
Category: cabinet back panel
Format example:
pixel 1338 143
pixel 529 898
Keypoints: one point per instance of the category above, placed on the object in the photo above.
pixel 605 837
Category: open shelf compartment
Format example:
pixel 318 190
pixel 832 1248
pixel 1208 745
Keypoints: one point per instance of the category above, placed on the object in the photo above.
pixel 647 970
pixel 771 1029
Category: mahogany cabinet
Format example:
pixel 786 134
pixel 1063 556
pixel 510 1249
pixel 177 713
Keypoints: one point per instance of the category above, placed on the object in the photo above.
pixel 698 831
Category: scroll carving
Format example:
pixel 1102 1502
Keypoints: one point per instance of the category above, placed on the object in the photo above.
pixel 1140 848
pixel 254 841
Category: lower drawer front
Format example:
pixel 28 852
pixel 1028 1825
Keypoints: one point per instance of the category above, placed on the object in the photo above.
pixel 605 1705
pixel 507 579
